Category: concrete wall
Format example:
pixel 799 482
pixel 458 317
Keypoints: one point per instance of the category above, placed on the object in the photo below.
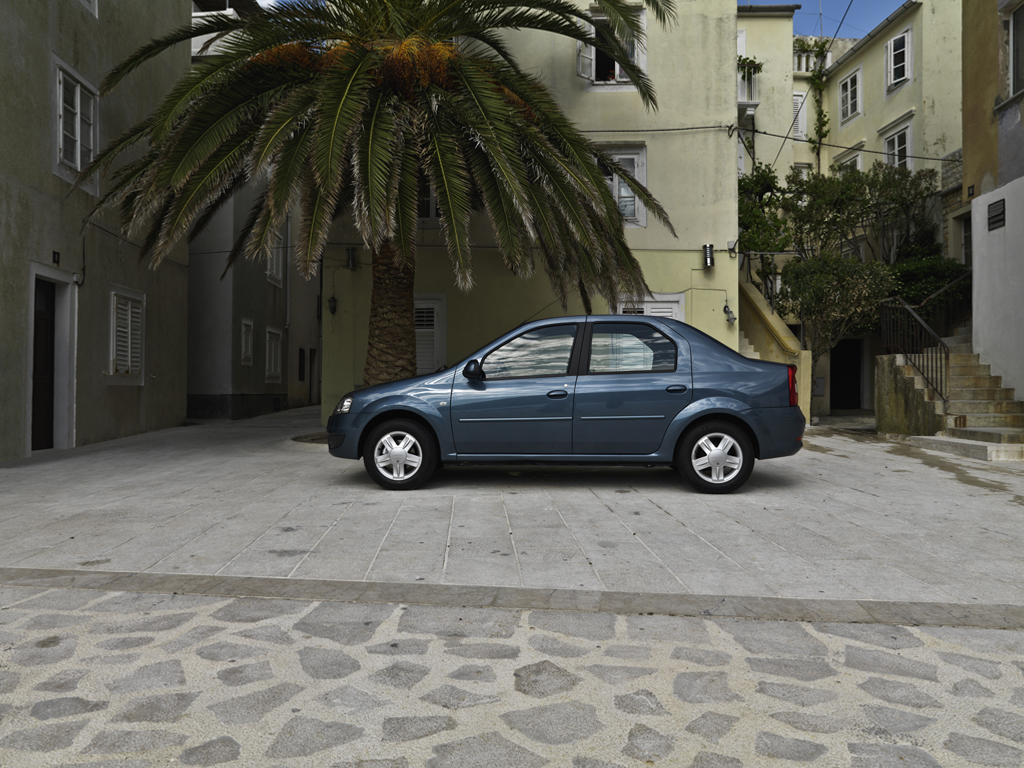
pixel 900 409
pixel 984 85
pixel 998 285
pixel 39 215
pixel 693 174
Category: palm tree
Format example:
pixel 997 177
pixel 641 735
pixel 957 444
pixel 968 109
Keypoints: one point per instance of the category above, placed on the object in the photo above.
pixel 352 106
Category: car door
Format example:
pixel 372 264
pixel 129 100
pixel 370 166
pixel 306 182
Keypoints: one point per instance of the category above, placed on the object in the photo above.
pixel 634 379
pixel 523 404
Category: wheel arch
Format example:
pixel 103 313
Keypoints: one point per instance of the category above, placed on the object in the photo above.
pixel 725 416
pixel 390 415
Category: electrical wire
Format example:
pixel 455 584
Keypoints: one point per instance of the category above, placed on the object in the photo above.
pixel 858 149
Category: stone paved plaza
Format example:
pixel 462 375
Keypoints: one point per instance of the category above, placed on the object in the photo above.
pixel 223 595
pixel 105 679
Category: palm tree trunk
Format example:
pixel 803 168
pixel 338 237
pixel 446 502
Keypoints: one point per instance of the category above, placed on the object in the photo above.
pixel 391 351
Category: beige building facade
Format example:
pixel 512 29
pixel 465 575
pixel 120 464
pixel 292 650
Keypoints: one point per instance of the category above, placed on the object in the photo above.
pixel 92 343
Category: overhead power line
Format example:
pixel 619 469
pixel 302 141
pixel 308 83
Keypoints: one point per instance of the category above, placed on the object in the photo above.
pixel 859 149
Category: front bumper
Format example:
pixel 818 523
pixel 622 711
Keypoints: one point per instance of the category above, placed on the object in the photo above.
pixel 342 437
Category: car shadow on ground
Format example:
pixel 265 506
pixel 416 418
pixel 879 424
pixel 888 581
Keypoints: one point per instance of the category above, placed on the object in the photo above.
pixel 470 478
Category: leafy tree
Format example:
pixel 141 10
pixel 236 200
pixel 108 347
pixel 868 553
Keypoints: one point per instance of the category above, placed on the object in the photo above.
pixel 835 295
pixel 762 224
pixel 353 106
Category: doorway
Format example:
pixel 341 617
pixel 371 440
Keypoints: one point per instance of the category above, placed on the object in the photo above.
pixel 845 371
pixel 43 364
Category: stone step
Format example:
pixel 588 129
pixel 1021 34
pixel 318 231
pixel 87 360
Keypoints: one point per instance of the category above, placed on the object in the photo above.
pixel 1003 435
pixel 985 393
pixel 984 420
pixel 974 382
pixel 985 406
pixel 961 349
pixel 973 449
pixel 975 369
pixel 957 340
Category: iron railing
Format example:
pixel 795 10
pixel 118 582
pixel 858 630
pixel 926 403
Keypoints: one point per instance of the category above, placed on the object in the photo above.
pixel 916 331
pixel 904 331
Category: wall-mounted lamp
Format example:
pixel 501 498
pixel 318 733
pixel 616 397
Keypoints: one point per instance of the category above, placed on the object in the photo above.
pixel 350 260
pixel 332 305
pixel 729 315
pixel 709 256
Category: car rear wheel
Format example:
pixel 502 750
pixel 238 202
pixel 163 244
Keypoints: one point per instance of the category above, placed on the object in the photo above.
pixel 715 457
pixel 400 455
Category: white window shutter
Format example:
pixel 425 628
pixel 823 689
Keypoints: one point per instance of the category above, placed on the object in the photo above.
pixel 799 116
pixel 122 335
pixel 585 56
pixel 135 354
pixel 426 338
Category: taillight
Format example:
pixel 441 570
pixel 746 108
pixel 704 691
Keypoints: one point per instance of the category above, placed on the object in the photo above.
pixel 792 386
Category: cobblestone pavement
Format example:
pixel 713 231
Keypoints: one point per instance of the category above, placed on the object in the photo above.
pixel 136 680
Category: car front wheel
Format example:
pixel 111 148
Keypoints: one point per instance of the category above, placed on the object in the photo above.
pixel 715 457
pixel 400 455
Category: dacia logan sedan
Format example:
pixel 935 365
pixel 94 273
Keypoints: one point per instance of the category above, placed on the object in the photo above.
pixel 612 389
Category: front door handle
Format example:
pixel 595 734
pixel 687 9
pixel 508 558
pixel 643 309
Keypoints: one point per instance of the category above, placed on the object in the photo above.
pixel 676 389
pixel 557 394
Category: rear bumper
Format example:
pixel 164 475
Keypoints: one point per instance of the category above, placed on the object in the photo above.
pixel 783 431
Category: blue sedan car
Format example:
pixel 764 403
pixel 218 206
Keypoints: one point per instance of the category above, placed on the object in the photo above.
pixel 612 389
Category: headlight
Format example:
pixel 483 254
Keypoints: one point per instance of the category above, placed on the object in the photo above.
pixel 343 406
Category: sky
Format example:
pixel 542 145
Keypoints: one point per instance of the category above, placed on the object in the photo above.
pixel 863 16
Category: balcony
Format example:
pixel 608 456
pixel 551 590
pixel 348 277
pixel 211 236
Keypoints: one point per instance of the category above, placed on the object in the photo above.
pixel 199 42
pixel 806 62
pixel 747 98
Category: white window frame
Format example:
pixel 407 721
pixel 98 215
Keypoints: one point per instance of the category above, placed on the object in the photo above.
pixel 892 82
pixel 586 57
pixel 436 336
pixel 245 347
pixel 850 97
pixel 83 131
pixel 274 347
pixel 908 147
pixel 433 220
pixel 799 115
pixel 638 154
pixel 275 260
pixel 127 337
pixel 850 161
pixel 1016 83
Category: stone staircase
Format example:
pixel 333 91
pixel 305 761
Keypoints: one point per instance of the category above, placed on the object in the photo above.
pixel 747 349
pixel 982 419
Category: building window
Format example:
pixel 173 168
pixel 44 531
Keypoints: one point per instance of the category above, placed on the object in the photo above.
pixel 1017 51
pixel 76 121
pixel 633 160
pixel 275 259
pixel 849 163
pixel 800 115
pixel 246 346
pixel 897 149
pixel 429 214
pixel 273 355
pixel 126 336
pixel 849 97
pixel 966 243
pixel 302 364
pixel 897 60
pixel 599 68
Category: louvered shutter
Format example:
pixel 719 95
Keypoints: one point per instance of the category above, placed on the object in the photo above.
pixel 426 339
pixel 799 116
pixel 585 56
pixel 122 335
pixel 135 337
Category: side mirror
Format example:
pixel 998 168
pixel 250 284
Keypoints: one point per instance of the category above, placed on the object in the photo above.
pixel 473 370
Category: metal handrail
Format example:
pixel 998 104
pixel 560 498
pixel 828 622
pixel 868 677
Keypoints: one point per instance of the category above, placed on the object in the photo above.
pixel 905 331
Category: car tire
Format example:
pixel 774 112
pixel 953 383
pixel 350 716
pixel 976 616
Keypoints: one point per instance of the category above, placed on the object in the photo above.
pixel 715 457
pixel 400 455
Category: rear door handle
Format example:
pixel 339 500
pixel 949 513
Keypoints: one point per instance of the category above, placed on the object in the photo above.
pixel 557 394
pixel 676 389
